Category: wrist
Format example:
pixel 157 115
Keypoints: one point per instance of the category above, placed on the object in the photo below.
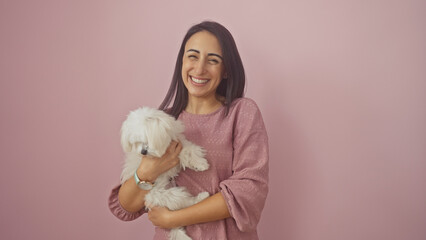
pixel 144 176
pixel 173 220
pixel 142 184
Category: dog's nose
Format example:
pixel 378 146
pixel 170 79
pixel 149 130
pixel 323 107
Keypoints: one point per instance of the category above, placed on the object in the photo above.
pixel 144 152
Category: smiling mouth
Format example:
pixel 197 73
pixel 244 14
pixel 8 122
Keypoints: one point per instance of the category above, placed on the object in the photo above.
pixel 198 80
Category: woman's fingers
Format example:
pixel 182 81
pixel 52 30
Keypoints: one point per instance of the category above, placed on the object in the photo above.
pixel 177 150
pixel 172 146
pixel 173 150
pixel 152 167
pixel 170 158
pixel 179 147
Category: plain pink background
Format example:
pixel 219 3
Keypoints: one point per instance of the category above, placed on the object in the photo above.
pixel 341 85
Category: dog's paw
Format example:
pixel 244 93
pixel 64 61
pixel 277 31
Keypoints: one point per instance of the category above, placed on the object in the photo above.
pixel 192 156
pixel 199 162
pixel 201 165
pixel 202 195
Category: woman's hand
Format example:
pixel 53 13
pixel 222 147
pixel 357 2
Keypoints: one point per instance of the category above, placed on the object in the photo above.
pixel 161 217
pixel 210 209
pixel 131 197
pixel 152 167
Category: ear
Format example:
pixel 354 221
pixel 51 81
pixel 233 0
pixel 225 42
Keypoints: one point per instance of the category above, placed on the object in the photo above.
pixel 178 127
pixel 172 126
pixel 225 75
pixel 158 136
pixel 125 144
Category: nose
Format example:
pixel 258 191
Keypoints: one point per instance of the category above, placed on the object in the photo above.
pixel 200 67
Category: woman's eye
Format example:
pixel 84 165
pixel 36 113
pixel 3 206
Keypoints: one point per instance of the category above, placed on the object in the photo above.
pixel 192 57
pixel 213 61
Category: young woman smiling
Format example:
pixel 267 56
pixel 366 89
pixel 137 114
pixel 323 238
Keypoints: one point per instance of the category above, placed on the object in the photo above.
pixel 206 94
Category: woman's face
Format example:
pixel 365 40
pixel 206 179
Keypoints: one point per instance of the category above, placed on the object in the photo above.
pixel 202 66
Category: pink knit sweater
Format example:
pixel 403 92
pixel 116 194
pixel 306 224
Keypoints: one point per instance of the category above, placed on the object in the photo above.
pixel 237 151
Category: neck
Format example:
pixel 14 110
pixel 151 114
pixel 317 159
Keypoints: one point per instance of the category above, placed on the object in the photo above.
pixel 203 106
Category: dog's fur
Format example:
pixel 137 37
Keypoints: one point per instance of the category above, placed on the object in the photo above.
pixel 157 129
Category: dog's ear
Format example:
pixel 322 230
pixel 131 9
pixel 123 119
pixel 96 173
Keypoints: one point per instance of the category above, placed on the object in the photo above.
pixel 172 126
pixel 125 134
pixel 157 136
pixel 176 129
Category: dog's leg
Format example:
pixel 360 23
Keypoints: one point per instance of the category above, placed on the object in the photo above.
pixel 201 196
pixel 192 156
pixel 178 234
pixel 196 199
pixel 173 198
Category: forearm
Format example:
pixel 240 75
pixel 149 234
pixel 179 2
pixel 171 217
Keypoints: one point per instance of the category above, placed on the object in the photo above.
pixel 210 209
pixel 131 197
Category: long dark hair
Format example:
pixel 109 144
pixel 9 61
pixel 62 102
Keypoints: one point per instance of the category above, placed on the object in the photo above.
pixel 231 87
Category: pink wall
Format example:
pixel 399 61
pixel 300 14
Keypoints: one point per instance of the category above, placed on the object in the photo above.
pixel 341 85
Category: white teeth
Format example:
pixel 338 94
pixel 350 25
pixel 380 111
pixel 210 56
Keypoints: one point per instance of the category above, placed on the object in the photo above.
pixel 199 80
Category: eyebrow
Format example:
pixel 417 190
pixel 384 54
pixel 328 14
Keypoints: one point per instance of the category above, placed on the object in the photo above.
pixel 209 54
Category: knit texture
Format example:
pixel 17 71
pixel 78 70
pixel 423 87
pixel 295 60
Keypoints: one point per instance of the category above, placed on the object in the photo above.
pixel 237 151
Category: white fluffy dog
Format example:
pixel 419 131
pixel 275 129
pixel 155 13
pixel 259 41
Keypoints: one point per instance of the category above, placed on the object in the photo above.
pixel 151 131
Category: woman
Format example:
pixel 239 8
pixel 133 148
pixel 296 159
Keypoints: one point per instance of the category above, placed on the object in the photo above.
pixel 207 86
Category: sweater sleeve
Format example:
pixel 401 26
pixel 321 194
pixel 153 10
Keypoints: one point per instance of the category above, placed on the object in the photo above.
pixel 246 190
pixel 118 211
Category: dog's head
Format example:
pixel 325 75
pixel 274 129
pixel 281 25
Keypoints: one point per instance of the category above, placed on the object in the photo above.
pixel 149 127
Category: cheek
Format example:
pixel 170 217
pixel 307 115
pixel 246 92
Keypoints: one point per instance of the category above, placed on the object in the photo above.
pixel 185 69
pixel 186 65
pixel 218 71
